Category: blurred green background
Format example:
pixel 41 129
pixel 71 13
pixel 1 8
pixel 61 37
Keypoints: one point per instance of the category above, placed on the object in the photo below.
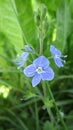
pixel 21 107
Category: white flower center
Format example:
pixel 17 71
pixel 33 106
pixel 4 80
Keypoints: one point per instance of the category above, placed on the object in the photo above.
pixel 39 70
pixel 56 56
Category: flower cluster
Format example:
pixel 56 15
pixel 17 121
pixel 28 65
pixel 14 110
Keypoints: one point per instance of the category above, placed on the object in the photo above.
pixel 40 68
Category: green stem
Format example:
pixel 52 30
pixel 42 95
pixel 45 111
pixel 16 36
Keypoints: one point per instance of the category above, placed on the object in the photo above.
pixel 41 46
pixel 41 33
pixel 45 97
pixel 44 89
pixel 56 108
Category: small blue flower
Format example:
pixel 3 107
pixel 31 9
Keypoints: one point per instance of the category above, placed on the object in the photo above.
pixel 22 59
pixel 28 48
pixel 57 56
pixel 39 70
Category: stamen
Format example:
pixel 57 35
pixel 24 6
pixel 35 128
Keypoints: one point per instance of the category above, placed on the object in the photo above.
pixel 56 56
pixel 39 70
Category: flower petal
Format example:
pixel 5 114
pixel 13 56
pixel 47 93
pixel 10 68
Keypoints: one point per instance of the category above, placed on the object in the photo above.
pixel 22 59
pixel 58 62
pixel 42 61
pixel 20 64
pixel 48 74
pixel 30 70
pixel 55 51
pixel 36 80
pixel 28 48
pixel 24 56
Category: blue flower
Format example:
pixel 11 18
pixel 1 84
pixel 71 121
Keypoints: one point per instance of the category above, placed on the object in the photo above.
pixel 39 70
pixel 22 59
pixel 28 48
pixel 57 56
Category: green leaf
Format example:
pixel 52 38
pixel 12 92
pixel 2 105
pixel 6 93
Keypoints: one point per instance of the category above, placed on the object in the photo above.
pixel 63 24
pixel 26 18
pixel 52 5
pixel 9 25
pixel 29 95
pixel 69 120
pixel 48 125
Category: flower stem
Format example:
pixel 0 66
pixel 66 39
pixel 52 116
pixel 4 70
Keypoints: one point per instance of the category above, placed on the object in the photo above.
pixel 41 32
pixel 41 45
pixel 44 89
pixel 48 108
pixel 56 108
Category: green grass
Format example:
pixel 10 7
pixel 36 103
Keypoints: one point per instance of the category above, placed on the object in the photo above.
pixel 23 107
